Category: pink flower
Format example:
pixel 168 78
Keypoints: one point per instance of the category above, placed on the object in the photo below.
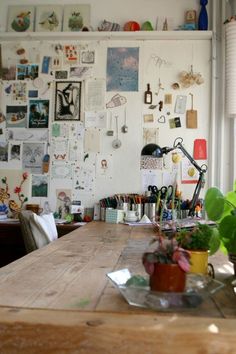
pixel 17 190
pixel 25 175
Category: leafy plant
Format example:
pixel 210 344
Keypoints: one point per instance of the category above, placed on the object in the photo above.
pixel 202 237
pixel 222 209
pixel 166 251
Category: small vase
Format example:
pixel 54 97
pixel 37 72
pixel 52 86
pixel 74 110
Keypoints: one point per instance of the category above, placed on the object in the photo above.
pixel 199 262
pixel 167 278
pixel 203 17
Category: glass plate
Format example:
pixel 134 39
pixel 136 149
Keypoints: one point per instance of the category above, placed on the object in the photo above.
pixel 136 291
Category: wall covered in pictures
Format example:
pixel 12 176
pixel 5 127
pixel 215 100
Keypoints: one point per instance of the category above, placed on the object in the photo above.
pixel 75 114
pixel 85 114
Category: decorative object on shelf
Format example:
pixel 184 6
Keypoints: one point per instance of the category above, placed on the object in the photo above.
pixel 147 26
pixel 190 78
pixel 166 263
pixel 222 209
pixel 20 18
pixel 203 17
pixel 76 18
pixel 109 26
pixel 131 26
pixel 165 25
pixel 48 18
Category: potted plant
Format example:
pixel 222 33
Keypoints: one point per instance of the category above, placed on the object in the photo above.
pixel 222 209
pixel 201 241
pixel 167 264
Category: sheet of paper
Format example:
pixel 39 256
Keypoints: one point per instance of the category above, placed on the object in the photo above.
pixel 84 181
pixel 189 174
pixel 95 119
pixel 95 95
pixel 151 178
pixel 92 140
pixel 59 149
pixel 104 165
pixel 61 170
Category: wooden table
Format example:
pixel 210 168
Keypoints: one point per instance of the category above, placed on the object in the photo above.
pixel 11 241
pixel 62 292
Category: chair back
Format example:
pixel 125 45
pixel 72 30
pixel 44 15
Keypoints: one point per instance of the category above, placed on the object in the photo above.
pixel 37 231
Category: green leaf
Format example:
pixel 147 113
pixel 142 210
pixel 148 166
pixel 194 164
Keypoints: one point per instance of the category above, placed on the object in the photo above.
pixel 214 203
pixel 227 227
pixel 214 242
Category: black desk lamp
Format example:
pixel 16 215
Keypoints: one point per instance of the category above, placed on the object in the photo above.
pixel 158 152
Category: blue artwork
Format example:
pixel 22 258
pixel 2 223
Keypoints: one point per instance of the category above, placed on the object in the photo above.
pixel 122 69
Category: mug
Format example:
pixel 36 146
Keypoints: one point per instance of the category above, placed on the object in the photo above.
pixel 35 208
pixel 131 215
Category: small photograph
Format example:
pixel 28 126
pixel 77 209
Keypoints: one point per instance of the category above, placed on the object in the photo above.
pixel 3 152
pixel 48 18
pixel 76 17
pixel 87 57
pixel 30 71
pixel 16 116
pixel 8 73
pixel 71 54
pixel 20 18
pixel 38 113
pixel 39 186
pixel 81 72
pixel 14 151
pixel 19 90
pixel 33 93
pixel 45 65
pixel 61 75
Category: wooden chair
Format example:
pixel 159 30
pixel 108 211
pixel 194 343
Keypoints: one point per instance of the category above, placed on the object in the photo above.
pixel 37 231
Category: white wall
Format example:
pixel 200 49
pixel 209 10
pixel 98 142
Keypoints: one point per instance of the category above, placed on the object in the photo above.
pixel 179 55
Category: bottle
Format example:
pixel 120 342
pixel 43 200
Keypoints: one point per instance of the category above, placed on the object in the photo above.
pixel 203 17
pixel 148 95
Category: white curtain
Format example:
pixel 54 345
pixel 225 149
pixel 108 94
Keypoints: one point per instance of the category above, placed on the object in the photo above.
pixel 230 69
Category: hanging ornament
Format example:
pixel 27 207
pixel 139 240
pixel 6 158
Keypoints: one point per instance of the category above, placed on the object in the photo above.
pixel 189 78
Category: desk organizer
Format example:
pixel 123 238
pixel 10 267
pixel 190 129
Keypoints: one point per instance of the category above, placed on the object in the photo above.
pixel 198 288
pixel 114 216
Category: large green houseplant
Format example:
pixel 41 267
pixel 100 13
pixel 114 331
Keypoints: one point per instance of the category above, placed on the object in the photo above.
pixel 222 209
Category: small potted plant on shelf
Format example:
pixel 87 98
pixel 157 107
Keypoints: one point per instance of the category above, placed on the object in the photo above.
pixel 222 209
pixel 167 264
pixel 201 241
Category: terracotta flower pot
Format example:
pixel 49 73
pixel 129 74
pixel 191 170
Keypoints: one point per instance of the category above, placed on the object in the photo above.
pixel 167 278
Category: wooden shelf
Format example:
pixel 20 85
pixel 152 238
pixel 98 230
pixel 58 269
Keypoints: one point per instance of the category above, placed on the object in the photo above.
pixel 87 36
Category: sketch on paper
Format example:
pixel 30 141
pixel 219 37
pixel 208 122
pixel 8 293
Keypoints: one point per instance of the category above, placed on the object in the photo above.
pixel 63 202
pixel 19 91
pixel 24 134
pixel 84 180
pixel 61 170
pixel 39 186
pixel 20 18
pixel 39 113
pixel 16 116
pixel 87 57
pixel 32 156
pixel 48 18
pixel 122 69
pixel 67 100
pixel 59 148
pixel 104 166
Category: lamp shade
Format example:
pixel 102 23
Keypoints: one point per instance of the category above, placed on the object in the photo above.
pixel 152 150
pixel 230 69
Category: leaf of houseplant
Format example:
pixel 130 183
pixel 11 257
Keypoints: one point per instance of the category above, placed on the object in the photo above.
pixel 214 243
pixel 214 203
pixel 227 229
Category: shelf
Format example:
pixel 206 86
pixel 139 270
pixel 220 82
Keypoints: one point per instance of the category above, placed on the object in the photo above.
pixel 87 36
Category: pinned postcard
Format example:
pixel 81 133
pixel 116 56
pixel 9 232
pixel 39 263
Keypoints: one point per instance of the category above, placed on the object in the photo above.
pixel 200 149
pixel 95 95
pixel 104 165
pixel 188 171
pixel 180 104
pixel 92 140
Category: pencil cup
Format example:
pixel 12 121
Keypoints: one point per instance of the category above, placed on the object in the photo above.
pixel 138 209
pixel 102 213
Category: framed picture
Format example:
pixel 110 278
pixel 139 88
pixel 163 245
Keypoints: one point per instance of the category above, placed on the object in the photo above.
pixel 67 100
pixel 76 17
pixel 20 18
pixel 48 18
pixel 38 113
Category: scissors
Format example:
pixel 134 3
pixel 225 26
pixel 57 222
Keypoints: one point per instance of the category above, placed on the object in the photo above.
pixel 165 192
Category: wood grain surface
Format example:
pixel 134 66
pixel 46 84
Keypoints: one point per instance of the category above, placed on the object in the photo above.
pixel 59 300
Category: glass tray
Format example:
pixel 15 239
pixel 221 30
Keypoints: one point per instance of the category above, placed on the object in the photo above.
pixel 137 292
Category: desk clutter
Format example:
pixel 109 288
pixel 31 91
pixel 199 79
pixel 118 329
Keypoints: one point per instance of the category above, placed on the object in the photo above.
pixel 152 206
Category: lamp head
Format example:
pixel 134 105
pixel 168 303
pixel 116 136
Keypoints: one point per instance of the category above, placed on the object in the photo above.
pixel 155 150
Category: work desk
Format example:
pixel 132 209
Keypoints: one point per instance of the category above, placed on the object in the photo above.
pixel 69 275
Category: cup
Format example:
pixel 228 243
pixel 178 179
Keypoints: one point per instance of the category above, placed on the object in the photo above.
pixel 35 208
pixel 138 209
pixel 131 215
